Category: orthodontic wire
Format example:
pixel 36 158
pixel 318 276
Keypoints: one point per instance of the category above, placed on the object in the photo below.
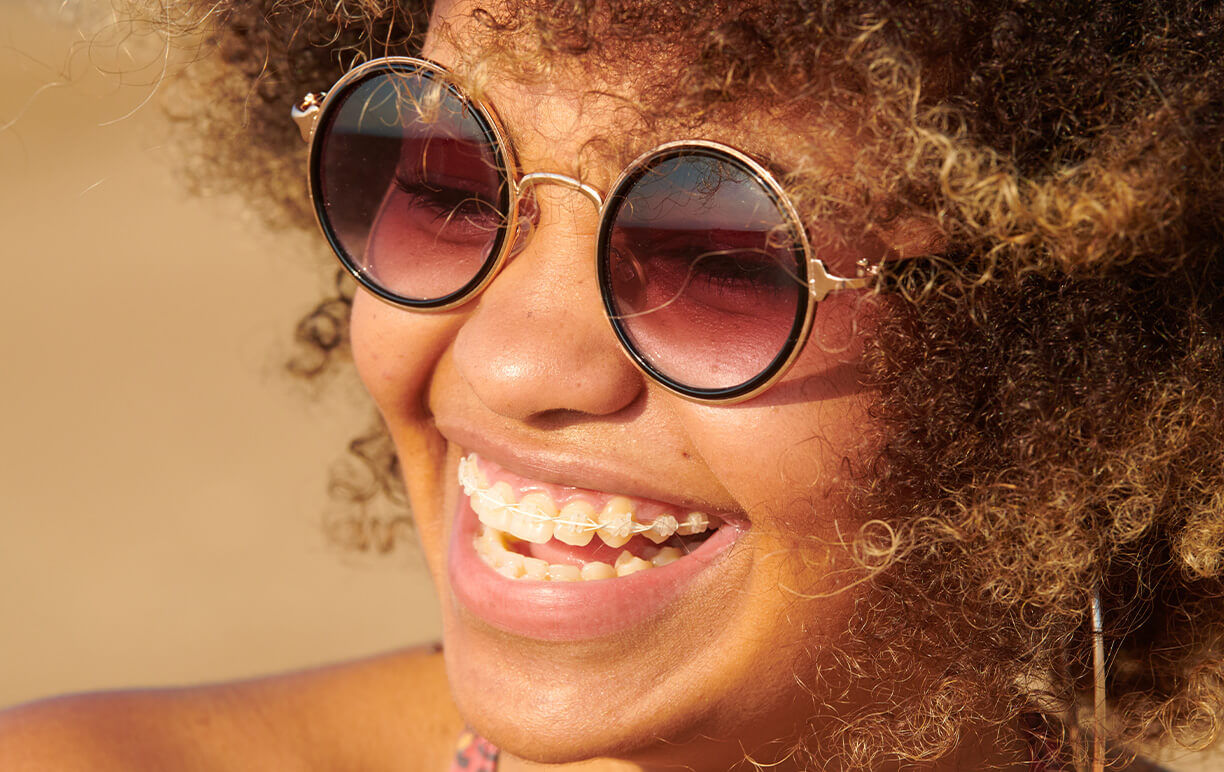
pixel 468 480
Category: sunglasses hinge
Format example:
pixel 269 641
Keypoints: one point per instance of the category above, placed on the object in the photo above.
pixel 306 113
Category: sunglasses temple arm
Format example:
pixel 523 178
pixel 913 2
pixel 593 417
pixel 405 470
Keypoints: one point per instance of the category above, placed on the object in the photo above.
pixel 822 283
pixel 306 114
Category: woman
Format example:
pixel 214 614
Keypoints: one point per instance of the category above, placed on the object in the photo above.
pixel 880 432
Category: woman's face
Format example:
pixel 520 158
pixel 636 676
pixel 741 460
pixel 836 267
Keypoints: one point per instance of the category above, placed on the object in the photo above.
pixel 696 659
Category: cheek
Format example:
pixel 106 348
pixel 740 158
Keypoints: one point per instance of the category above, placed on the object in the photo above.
pixel 395 352
pixel 790 456
pixel 784 461
pixel 786 466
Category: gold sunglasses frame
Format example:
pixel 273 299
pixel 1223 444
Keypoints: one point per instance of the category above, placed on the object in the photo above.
pixel 820 283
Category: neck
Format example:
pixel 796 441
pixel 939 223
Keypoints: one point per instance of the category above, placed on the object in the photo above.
pixel 977 754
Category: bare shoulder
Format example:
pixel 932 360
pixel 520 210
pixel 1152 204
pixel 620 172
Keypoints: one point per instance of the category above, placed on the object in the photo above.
pixel 391 712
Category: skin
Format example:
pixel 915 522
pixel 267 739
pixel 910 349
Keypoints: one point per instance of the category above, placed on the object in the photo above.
pixel 530 375
pixel 373 714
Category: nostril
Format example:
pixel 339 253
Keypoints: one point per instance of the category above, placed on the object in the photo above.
pixel 560 418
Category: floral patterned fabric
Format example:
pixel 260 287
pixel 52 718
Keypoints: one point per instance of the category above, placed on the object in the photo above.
pixel 474 754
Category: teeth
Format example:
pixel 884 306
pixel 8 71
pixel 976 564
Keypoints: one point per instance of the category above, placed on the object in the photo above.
pixel 616 524
pixel 492 505
pixel 470 476
pixel 577 519
pixel 491 547
pixel 665 556
pixel 510 565
pixel 561 573
pixel 534 568
pixel 534 517
pixel 597 570
pixel 661 529
pixel 576 524
pixel 694 523
pixel 628 563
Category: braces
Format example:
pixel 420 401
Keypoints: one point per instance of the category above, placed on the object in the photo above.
pixel 467 480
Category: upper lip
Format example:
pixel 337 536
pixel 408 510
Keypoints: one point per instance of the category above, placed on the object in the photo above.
pixel 579 469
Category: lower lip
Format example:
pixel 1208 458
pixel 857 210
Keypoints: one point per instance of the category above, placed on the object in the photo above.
pixel 571 611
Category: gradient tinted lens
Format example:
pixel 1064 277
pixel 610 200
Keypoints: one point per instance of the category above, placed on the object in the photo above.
pixel 703 272
pixel 410 186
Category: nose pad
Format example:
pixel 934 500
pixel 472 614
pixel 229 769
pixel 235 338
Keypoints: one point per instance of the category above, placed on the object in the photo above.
pixel 628 280
pixel 526 220
pixel 537 340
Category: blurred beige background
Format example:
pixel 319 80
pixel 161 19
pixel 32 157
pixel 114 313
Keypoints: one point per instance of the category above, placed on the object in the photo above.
pixel 162 483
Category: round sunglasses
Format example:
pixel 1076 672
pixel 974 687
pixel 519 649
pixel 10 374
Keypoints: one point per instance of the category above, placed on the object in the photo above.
pixel 706 271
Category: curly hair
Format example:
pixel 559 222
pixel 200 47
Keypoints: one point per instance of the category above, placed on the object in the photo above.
pixel 1048 379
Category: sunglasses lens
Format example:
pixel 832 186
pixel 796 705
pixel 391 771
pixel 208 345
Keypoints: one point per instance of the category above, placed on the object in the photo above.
pixel 410 186
pixel 703 272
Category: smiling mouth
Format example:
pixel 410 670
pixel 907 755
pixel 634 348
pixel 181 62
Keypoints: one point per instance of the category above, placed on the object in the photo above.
pixel 553 533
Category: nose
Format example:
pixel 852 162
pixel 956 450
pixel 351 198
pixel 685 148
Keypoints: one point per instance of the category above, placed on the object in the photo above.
pixel 537 340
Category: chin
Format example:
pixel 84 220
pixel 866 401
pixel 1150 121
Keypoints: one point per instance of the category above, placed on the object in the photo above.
pixel 610 621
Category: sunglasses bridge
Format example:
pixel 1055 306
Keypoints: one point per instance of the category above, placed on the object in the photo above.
pixel 528 181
